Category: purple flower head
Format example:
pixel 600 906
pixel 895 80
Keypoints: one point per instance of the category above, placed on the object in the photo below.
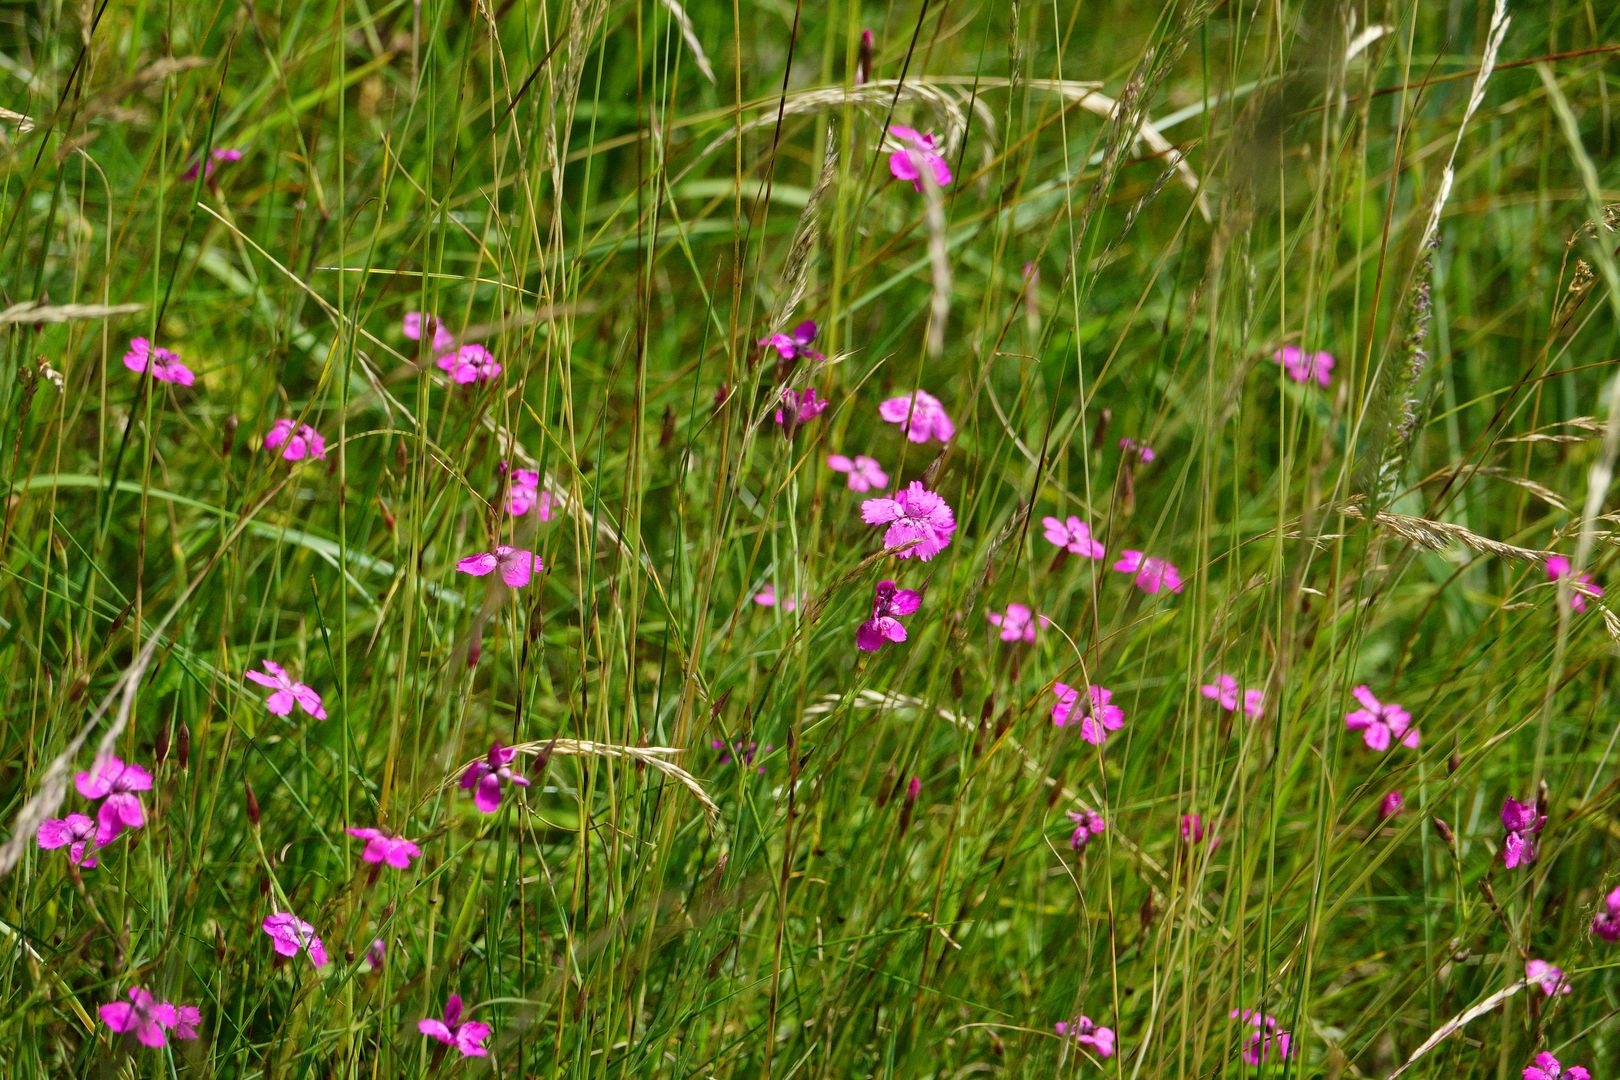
pixel 465 1035
pixel 296 441
pixel 799 407
pixel 160 363
pixel 116 785
pixel 488 775
pixel 1087 824
pixel 287 692
pixel 221 154
pixel 1522 822
pixel 741 752
pixel 73 832
pixel 376 954
pixel 1266 1041
pixel 1225 691
pixel 1072 535
pixel 1390 805
pixel 1097 716
pixel 149 1019
pixel 412 328
pixel 396 851
pixel 1094 1037
pixel 1303 366
pixel 865 474
pixel 1548 1068
pixel 1141 450
pixel 1018 624
pixel 1606 924
pixel 919 521
pixel 1193 832
pixel 795 343
pixel 920 415
pixel 766 597
pixel 292 935
pixel 470 363
pixel 1580 586
pixel 915 154
pixel 517 565
pixel 1381 725
pixel 1550 979
pixel 1150 574
pixel 524 494
pixel 890 604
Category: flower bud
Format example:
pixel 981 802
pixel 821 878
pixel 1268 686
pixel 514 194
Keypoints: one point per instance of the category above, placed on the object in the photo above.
pixel 252 804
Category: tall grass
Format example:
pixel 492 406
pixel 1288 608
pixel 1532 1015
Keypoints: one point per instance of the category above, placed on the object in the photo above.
pixel 620 200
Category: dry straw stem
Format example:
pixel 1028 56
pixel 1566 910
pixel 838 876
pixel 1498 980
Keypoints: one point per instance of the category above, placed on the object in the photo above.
pixel 654 757
pixel 689 35
pixel 1456 1023
pixel 37 311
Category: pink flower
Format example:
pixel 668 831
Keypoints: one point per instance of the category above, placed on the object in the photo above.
pixel 1018 624
pixel 116 784
pixel 1225 691
pixel 1579 587
pixel 73 832
pixel 794 344
pixel 488 775
pixel 920 415
pixel 214 156
pixel 524 494
pixel 412 328
pixel 767 597
pixel 150 1019
pixel 865 473
pixel 1097 716
pixel 1094 1037
pixel 517 565
pixel 1550 979
pixel 286 692
pixel 470 363
pixel 740 752
pixel 799 407
pixel 1304 366
pixel 889 605
pixel 465 1035
pixel 1548 1068
pixel 301 441
pixel 1192 831
pixel 1072 535
pixel 163 365
pixel 1150 574
pixel 919 521
pixel 1522 822
pixel 1606 924
pixel 292 935
pixel 915 153
pixel 396 851
pixel 376 954
pixel 1144 453
pixel 1390 805
pixel 1265 1039
pixel 1087 824
pixel 1380 724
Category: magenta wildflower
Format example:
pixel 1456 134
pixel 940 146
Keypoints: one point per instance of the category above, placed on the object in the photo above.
pixel 470 363
pixel 376 954
pixel 889 604
pixel 292 935
pixel 163 365
pixel 524 494
pixel 1303 366
pixel 915 154
pixel 1390 805
pixel 1072 535
pixel 221 154
pixel 920 415
pixel 1381 724
pixel 1547 1067
pixel 920 522
pixel 1150 574
pixel 73 832
pixel 795 343
pixel 489 774
pixel 1017 624
pixel 149 1019
pixel 287 692
pixel 1580 587
pixel 1087 824
pixel 1266 1041
pixel 1094 1037
pixel 412 328
pixel 396 851
pixel 465 1035
pixel 1142 451
pixel 1193 832
pixel 1606 924
pixel 517 565
pixel 1097 716
pixel 800 407
pixel 865 474
pixel 1224 690
pixel 116 784
pixel 1549 978
pixel 1522 822
pixel 297 441
pixel 741 752
pixel 766 597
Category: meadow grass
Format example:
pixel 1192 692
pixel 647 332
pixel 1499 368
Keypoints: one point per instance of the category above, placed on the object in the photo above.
pixel 748 848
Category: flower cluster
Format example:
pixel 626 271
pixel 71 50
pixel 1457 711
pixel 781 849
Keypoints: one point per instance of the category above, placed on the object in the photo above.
pixel 466 363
